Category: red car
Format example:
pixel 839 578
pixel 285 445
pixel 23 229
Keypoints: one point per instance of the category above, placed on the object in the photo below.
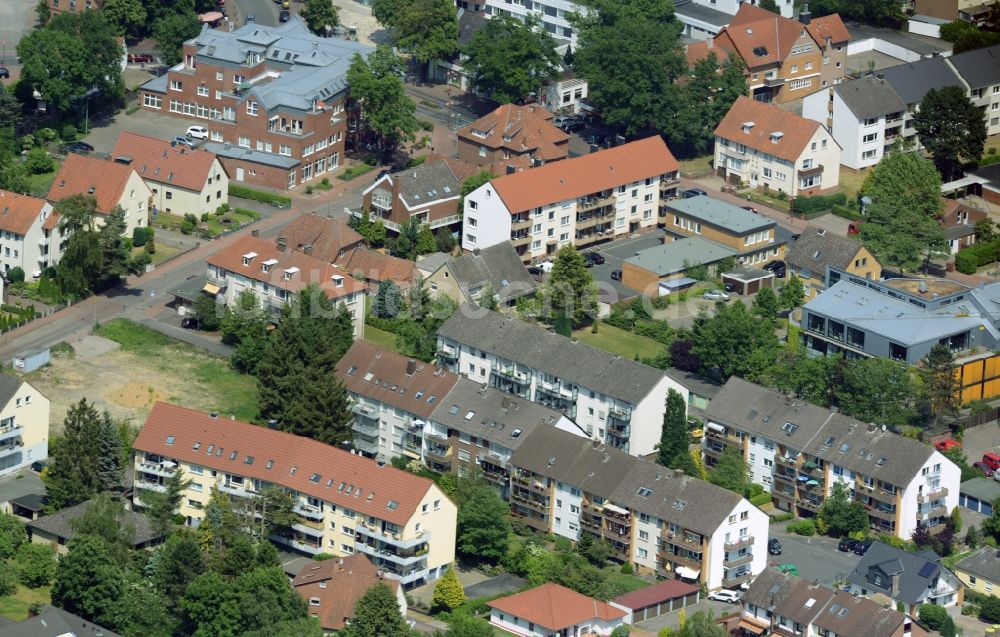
pixel 140 58
pixel 854 228
pixel 985 468
pixel 947 445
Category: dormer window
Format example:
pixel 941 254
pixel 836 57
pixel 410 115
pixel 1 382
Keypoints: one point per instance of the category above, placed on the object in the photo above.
pixel 248 257
pixel 776 137
pixel 338 281
pixel 747 126
pixel 267 265
pixel 290 272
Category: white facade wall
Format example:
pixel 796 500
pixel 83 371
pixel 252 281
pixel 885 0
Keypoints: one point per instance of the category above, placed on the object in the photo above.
pixel 937 473
pixel 486 220
pixel 522 627
pixel 552 14
pixel 759 168
pixel 214 192
pixel 647 537
pixel 566 511
pixel 24 430
pixel 988 98
pixel 134 200
pixel 25 251
pixel 647 417
pixel 761 461
pixel 744 521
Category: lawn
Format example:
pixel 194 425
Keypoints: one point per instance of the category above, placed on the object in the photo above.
pixel 381 338
pixel 355 171
pixel 697 165
pixel 618 341
pixel 15 607
pixel 216 224
pixel 951 560
pixel 163 252
pixel 38 185
pixel 851 181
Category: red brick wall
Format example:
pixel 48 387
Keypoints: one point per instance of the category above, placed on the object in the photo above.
pixel 255 174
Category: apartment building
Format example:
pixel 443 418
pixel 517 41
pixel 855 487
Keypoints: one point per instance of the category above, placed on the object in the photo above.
pixel 276 274
pixel 183 180
pixel 279 92
pixel 797 451
pixel 604 195
pixel 346 503
pixel 980 571
pixel 110 183
pixel 751 235
pixel 661 521
pixel 72 6
pixel 786 60
pixel 615 400
pixel 816 250
pixel 429 193
pixel 520 136
pixel 911 579
pixel 321 236
pixel 768 147
pixel 24 425
pixel 29 236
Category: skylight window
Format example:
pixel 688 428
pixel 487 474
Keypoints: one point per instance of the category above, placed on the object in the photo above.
pixel 829 441
pixel 419 395
pixel 431 399
pixel 845 447
pixel 392 505
pixel 197 446
pixel 760 51
pixel 233 455
pixel 210 449
pixel 270 463
pixel 315 477
pixel 218 452
pixel 341 486
pixel 453 410
pixel 292 471
pixel 789 427
pixel 170 440
pixel 644 492
pixel 469 415
pixel 516 433
pixel 248 460
pixel 352 369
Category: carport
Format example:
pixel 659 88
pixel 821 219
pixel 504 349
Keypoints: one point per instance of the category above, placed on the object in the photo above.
pixel 978 495
pixel 744 281
pixel 653 601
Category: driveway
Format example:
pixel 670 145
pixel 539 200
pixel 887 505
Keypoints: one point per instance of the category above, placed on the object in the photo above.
pixel 817 558
pixel 614 252
pixel 104 133
pixel 17 19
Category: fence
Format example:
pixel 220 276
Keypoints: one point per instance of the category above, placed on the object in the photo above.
pixel 975 420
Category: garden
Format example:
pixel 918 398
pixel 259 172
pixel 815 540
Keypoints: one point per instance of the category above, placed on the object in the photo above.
pixel 211 224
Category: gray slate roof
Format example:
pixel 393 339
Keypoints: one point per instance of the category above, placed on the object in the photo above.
pixel 469 22
pixel 816 249
pixel 499 266
pixel 59 523
pixel 721 214
pixel 55 622
pixel 677 256
pixel 695 383
pixel 893 561
pixel 232 151
pixel 432 262
pixel 430 181
pixel 983 489
pixel 560 356
pixel 704 14
pixel 869 97
pixel 984 563
pixel 979 68
pixel 912 80
pixel 9 385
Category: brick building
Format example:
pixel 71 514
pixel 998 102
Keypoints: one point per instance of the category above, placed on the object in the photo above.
pixel 272 98
pixel 514 135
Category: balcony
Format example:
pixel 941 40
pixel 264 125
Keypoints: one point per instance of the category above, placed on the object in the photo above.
pixel 558 390
pixel 533 503
pixel 787 461
pixel 774 81
pixel 812 170
pixel 408 558
pixel 935 511
pixel 620 413
pixel 392 537
pixel 518 223
pixel 736 545
pixel 809 505
pixel 683 540
pixel 308 511
pixel 311 548
pixel 882 514
pixel 148 485
pixel 449 352
pixel 362 427
pixel 512 373
pixel 364 410
pixel 497 477
pixel 441 452
pixel 163 469
pixel 930 496
pixel 737 561
pixel 592 203
pixel 736 579
pixel 537 487
pixel 684 560
pixel 235 489
pixel 309 527
pixel 287 131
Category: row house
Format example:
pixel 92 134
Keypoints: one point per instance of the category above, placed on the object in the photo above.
pixel 29 234
pixel 615 400
pixel 111 184
pixel 751 235
pixel 24 425
pixel 797 451
pixel 344 503
pixel 513 135
pixel 580 201
pixel 276 274
pixel 786 60
pixel 280 92
pixel 768 147
pixel 662 521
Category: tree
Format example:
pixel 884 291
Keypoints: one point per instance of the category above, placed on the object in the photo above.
pixel 463 625
pixel 161 506
pixel 874 12
pixel 902 227
pixel 841 515
pixel 178 562
pixel 105 518
pixel 377 614
pixel 445 240
pixel 948 628
pixel 388 300
pixel 10 109
pixel 483 525
pixel 206 310
pixel 488 298
pixel 932 616
pixel 991 526
pixel 172 31
pixel 733 342
pixel 77 213
pixel 769 5
pixel 509 58
pixel 320 15
pixel 416 331
pixel 673 435
pixel 88 579
pixel 209 608
pixel 12 535
pixel 386 11
pixel 877 390
pixel 731 471
pixel 109 469
pixel 766 305
pixel 220 526
pixel 427 28
pixel 35 564
pixel 569 290
pixel 951 128
pixel 989 609
pixel 701 624
pixel 43 12
pixel 940 384
pixel 70 478
pixel 244 319
pixel 710 91
pixel 792 294
pixel 377 85
pixel 448 592
pixel 126 17
pixel 426 241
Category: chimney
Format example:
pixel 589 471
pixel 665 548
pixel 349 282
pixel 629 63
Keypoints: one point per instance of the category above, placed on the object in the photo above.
pixel 411 367
pixel 922 287
pixel 804 16
pixel 255 233
pixel 281 243
pixel 307 250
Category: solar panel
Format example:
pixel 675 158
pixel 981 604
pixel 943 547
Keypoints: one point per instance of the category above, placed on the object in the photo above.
pixel 928 569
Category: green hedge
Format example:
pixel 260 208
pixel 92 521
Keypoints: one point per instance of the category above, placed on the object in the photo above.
pixel 975 256
pixel 259 195
pixel 845 212
pixel 246 212
pixel 23 312
pixel 809 207
pixel 803 527
pixel 760 499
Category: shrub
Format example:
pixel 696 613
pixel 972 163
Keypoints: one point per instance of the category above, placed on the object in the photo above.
pixel 142 236
pixel 846 212
pixel 309 190
pixel 39 162
pixel 259 195
pixel 132 109
pixel 760 499
pixel 15 275
pixel 371 159
pixel 803 527
pixel 989 609
pixel 809 207
pixel 425 125
pixel 931 617
pixel 69 133
pixel 975 256
pixel 416 161
pixel 626 568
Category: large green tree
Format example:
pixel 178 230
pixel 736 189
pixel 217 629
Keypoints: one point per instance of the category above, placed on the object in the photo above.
pixel 12 535
pixel 10 109
pixel 35 564
pixel 841 514
pixel 244 326
pixel 72 475
pixel 483 522
pixel 377 614
pixel 733 342
pixel 701 624
pixel 416 330
pixel 427 28
pixel 125 17
pixel 569 291
pixel 178 562
pixel 951 128
pixel 877 390
pixel 901 226
pixel 89 580
pixel 941 387
pixel 377 85
pixel 674 434
pixel 386 11
pixel 320 15
pixel 172 31
pixel 874 12
pixel 509 58
pixel 388 301
pixel 731 470
pixel 709 92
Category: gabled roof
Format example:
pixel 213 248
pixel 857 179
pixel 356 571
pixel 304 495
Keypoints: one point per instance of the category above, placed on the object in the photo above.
pixel 345 581
pixel 19 212
pixel 980 67
pixel 437 179
pixel 828 27
pixel 848 614
pixel 327 237
pixel 699 49
pixel 816 249
pixel 386 376
pixel 498 266
pixel 916 573
pixel 55 622
pixel 102 179
pixel 869 97
pixel 767 128
pixel 912 80
pixel 9 386
pixel 984 563
pixel 556 607
pixel 60 523
pixel 522 129
pixel 156 160
pixel 586 174
pixel 761 38
pixel 375 266
pixel 341 478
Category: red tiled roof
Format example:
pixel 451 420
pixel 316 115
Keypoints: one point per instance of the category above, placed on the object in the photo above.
pixel 828 26
pixel 375 266
pixel 347 580
pixel 79 174
pixel 796 131
pixel 19 212
pixel 51 221
pixel 699 50
pixel 328 237
pixel 528 128
pixel 156 160
pixel 656 593
pixel 284 459
pixel 583 175
pixel 310 269
pixel 753 28
pixel 556 607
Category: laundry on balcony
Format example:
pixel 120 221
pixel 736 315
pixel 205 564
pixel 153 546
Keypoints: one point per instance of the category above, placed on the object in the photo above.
pixel 687 573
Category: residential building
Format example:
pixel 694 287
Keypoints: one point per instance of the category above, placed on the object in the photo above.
pixel 662 269
pixel 280 91
pixel 497 268
pixel 959 223
pixel 579 201
pixel 659 520
pixel 56 529
pixel 429 194
pixel 373 267
pixel 979 70
pixel 786 60
pixel 615 400
pixel 751 235
pixel 72 6
pixel 770 148
pixel 346 503
pixel 275 274
pixel 551 609
pixel 951 10
pixel 701 390
pixel 980 571
pixel 521 136
pixel 24 425
pixel 52 621
pixel 333 587
pixel 183 180
pixel 29 236
pixel 781 604
pixel 110 183
pixel 910 578
pixel 451 70
pixel 797 451
pixel 816 250
pixel 323 237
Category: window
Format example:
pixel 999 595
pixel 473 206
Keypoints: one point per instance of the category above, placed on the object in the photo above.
pixel 471 238
pixel 869 138
pixel 285 150
pixel 473 205
pixel 202 91
pixel 176 85
pixel 152 101
pixel 808 66
pixel 471 221
pixel 795 85
pixel 869 154
pixel 244 141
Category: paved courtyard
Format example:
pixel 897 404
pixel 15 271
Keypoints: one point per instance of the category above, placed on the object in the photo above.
pixel 104 133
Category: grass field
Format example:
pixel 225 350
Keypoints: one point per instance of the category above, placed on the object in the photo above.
pixel 39 185
pixel 381 338
pixel 697 165
pixel 851 181
pixel 15 607
pixel 618 341
pixel 163 252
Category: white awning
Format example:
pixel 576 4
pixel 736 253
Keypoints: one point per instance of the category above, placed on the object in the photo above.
pixel 687 573
pixel 615 509
pixel 968 180
pixel 716 427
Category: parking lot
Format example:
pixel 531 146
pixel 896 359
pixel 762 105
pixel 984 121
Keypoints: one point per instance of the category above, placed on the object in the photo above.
pixel 147 123
pixel 614 252
pixel 817 558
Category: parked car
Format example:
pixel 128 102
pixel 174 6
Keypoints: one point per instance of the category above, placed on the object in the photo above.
pixel 862 547
pixel 140 58
pixel 616 275
pixel 4 72
pixel 596 140
pixel 991 460
pixel 730 597
pixel 777 268
pixel 715 295
pixel 573 127
pixel 854 228
pixel 182 141
pixel 189 323
pixel 197 132
pixel 947 445
pixel 561 120
pixel 773 546
pixel 692 192
pixel 284 15
pixel 536 272
pixel 847 544
pixel 982 466
pixel 251 18
pixel 39 465
pixel 81 148
pixel 594 257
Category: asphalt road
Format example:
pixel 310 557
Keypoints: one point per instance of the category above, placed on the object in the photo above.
pixel 17 18
pixel 817 558
pixel 265 11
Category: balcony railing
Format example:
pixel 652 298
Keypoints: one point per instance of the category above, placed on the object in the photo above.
pixel 592 203
pixel 538 505
pixel 620 413
pixel 155 468
pixel 929 496
pixel 141 483
pixel 735 545
pixel 683 539
pixel 407 559
pixel 364 428
pixel 511 372
pixel 391 537
pixel 448 351
pixel 737 561
pixel 308 511
pixel 735 579
pixel 309 527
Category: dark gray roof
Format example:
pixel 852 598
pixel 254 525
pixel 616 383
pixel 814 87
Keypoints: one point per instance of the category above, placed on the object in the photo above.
pixel 772 589
pixel 922 45
pixel 190 289
pixel 59 524
pixel 984 563
pixel 816 249
pixel 231 151
pixel 32 501
pixel 469 22
pixel 8 387
pixel 16 485
pixel 156 85
pixel 869 96
pixel 912 80
pixel 499 266
pixel 430 181
pixel 516 340
pixel 695 383
pixel 432 262
pixel 747 273
pixel 704 14
pixel 983 489
pixel 581 462
pixel 914 578
pixel 55 622
pixel 678 255
pixel 721 214
pixel 957 232
pixel 979 68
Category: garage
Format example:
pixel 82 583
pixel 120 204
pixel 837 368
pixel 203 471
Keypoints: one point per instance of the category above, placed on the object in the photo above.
pixel 978 495
pixel 653 601
pixel 745 281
